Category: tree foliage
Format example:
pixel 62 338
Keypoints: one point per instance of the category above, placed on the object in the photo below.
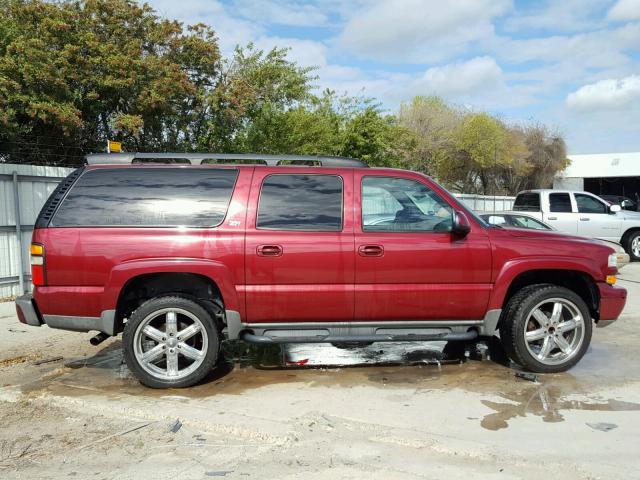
pixel 476 152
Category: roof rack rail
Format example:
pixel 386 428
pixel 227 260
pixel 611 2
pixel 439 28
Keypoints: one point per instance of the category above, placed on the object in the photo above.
pixel 222 159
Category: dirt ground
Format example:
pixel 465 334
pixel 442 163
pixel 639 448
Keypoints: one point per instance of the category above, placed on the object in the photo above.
pixel 391 412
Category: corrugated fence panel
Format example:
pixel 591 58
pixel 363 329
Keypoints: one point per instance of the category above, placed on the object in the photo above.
pixel 486 203
pixel 35 184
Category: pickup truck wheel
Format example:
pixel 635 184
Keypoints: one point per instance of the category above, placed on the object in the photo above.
pixel 633 246
pixel 546 328
pixel 170 341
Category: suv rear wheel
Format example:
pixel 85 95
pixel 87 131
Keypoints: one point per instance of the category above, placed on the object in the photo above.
pixel 546 328
pixel 170 341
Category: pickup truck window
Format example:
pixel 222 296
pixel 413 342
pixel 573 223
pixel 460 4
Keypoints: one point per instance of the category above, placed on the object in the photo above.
pixel 301 202
pixel 391 204
pixel 527 202
pixel 588 204
pixel 559 202
pixel 148 197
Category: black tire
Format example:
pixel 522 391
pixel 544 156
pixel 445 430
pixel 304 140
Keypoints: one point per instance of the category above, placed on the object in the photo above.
pixel 635 236
pixel 157 304
pixel 516 316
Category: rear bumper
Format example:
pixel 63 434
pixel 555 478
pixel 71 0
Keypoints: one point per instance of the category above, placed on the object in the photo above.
pixel 28 313
pixel 612 301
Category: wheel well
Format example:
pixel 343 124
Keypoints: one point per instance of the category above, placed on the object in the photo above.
pixel 143 287
pixel 626 235
pixel 578 282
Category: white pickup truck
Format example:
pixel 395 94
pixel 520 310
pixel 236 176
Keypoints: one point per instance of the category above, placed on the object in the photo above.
pixel 584 214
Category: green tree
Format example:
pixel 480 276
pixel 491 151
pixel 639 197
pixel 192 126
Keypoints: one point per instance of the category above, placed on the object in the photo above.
pixel 377 139
pixel 433 123
pixel 74 74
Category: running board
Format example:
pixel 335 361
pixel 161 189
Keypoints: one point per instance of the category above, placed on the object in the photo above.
pixel 442 337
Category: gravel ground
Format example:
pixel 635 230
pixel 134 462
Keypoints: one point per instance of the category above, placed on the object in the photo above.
pixel 393 413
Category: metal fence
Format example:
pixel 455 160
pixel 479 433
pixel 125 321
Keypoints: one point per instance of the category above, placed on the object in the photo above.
pixel 486 203
pixel 25 188
pixel 23 191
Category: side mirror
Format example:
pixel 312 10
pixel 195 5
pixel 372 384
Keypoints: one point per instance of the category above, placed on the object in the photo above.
pixel 461 226
pixel 615 208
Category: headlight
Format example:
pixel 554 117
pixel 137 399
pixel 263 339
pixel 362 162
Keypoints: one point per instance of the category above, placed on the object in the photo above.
pixel 613 260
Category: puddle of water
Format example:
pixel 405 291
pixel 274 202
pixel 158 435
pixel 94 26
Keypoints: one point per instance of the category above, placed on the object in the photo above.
pixel 546 402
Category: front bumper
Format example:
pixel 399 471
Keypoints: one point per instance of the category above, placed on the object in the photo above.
pixel 612 301
pixel 27 312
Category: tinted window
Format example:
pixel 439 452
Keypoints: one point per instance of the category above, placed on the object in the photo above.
pixel 196 197
pixel 301 202
pixel 527 202
pixel 588 204
pixel 559 202
pixel 392 204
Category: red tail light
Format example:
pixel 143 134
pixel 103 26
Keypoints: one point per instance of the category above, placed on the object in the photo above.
pixel 37 265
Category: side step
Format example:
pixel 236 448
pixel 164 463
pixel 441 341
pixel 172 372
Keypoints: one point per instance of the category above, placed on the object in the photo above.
pixel 442 337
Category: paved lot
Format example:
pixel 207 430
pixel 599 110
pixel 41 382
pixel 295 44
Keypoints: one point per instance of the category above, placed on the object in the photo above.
pixel 84 416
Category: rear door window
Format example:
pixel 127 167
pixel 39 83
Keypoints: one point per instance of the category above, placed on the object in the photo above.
pixel 527 202
pixel 559 202
pixel 148 197
pixel 301 202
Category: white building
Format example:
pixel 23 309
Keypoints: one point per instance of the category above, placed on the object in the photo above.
pixel 602 173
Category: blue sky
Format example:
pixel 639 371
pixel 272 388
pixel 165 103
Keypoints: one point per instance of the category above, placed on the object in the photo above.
pixel 572 64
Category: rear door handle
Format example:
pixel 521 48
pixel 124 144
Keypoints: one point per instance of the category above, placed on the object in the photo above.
pixel 584 219
pixel 269 250
pixel 552 218
pixel 371 250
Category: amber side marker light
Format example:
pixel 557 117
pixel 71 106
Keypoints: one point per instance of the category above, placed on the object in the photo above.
pixel 611 279
pixel 37 264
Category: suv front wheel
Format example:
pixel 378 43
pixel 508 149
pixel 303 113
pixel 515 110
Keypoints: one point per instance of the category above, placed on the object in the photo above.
pixel 546 328
pixel 170 341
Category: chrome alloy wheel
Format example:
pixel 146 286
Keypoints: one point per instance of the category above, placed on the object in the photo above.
pixel 635 246
pixel 170 343
pixel 554 331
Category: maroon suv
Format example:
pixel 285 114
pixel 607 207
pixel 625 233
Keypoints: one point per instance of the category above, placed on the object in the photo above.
pixel 181 251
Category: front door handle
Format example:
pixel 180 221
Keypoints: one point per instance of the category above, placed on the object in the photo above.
pixel 371 250
pixel 269 250
pixel 584 219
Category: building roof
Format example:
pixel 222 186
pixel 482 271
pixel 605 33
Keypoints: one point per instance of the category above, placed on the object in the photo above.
pixel 603 165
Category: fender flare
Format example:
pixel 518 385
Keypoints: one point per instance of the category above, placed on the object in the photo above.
pixel 217 272
pixel 515 267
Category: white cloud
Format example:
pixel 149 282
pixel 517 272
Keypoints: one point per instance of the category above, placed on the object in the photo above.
pixel 625 10
pixel 461 78
pixel 281 13
pixel 307 53
pixel 419 31
pixel 596 49
pixel 565 15
pixel 610 94
pixel 230 30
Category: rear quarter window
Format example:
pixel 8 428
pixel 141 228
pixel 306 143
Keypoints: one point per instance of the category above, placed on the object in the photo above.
pixel 148 197
pixel 527 202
